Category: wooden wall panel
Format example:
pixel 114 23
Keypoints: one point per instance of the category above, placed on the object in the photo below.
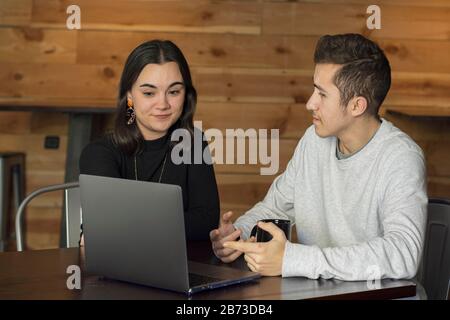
pixel 25 132
pixel 33 45
pixel 416 56
pixel 15 12
pixel 408 3
pixel 438 187
pixel 216 84
pixel 53 123
pixel 12 122
pixel 423 128
pixel 265 51
pixel 43 227
pixel 236 195
pixel 290 119
pixel 54 80
pixel 398 22
pixel 225 50
pixel 252 65
pixel 135 15
pixel 286 150
pixel 295 86
pixel 433 136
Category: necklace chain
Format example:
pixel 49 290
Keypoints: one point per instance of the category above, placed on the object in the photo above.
pixel 160 175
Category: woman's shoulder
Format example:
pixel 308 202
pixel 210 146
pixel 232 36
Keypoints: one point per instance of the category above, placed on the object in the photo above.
pixel 102 158
pixel 103 145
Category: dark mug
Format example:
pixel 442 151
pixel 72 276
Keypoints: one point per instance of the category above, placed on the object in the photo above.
pixel 264 236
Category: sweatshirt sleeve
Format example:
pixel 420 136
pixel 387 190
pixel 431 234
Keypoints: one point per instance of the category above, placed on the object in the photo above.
pixel 279 200
pixel 396 254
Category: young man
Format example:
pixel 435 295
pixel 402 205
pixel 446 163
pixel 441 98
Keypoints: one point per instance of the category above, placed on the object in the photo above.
pixel 355 186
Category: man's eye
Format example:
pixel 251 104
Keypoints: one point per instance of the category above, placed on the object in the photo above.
pixel 322 95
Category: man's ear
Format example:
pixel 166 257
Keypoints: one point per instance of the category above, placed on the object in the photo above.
pixel 357 106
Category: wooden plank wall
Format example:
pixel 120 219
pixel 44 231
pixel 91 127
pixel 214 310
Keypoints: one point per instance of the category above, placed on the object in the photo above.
pixel 25 132
pixel 252 66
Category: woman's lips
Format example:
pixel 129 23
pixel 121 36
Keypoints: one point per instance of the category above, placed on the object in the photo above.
pixel 162 116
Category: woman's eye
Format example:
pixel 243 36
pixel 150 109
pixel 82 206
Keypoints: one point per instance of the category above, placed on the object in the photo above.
pixel 322 95
pixel 149 94
pixel 174 92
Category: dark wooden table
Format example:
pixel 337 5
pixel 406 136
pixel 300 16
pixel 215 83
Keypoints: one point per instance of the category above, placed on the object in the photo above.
pixel 43 275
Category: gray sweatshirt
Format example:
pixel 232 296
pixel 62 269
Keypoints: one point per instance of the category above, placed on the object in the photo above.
pixel 357 218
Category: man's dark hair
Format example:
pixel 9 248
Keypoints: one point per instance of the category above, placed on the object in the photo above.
pixel 365 69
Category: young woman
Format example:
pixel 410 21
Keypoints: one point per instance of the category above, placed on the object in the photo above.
pixel 157 97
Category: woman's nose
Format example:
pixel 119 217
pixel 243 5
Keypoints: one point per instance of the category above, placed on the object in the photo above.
pixel 163 102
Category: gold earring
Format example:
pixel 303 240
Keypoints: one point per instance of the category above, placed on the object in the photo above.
pixel 130 112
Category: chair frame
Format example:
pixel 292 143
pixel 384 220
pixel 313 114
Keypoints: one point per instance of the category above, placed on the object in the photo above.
pixel 31 196
pixel 424 265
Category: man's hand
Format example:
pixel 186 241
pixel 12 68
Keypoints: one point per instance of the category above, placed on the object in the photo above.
pixel 265 258
pixel 225 232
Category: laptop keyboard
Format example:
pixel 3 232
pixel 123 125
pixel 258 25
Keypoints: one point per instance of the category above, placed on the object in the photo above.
pixel 198 280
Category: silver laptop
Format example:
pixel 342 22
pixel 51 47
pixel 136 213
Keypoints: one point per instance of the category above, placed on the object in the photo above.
pixel 134 231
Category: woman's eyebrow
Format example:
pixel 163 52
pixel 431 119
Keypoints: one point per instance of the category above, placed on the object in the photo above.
pixel 148 85
pixel 175 83
pixel 155 87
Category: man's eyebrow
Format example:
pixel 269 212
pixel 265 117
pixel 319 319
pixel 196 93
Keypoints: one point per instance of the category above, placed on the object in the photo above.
pixel 320 88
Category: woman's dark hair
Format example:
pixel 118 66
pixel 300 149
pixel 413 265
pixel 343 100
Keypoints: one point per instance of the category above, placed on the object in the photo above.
pixel 128 137
pixel 365 69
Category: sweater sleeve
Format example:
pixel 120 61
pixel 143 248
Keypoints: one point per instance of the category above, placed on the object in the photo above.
pixel 202 214
pixel 98 159
pixel 279 200
pixel 396 254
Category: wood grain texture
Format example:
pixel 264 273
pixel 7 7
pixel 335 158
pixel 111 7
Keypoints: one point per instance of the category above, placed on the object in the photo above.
pixel 268 51
pixel 397 22
pixel 291 120
pixel 47 279
pixel 214 84
pixel 419 111
pixel 172 16
pixel 33 45
pixel 277 162
pixel 14 122
pixel 438 187
pixel 15 12
pixel 233 50
pixel 241 191
pixel 408 3
pixel 252 65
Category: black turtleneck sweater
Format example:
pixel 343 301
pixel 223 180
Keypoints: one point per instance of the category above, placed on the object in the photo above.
pixel 200 195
